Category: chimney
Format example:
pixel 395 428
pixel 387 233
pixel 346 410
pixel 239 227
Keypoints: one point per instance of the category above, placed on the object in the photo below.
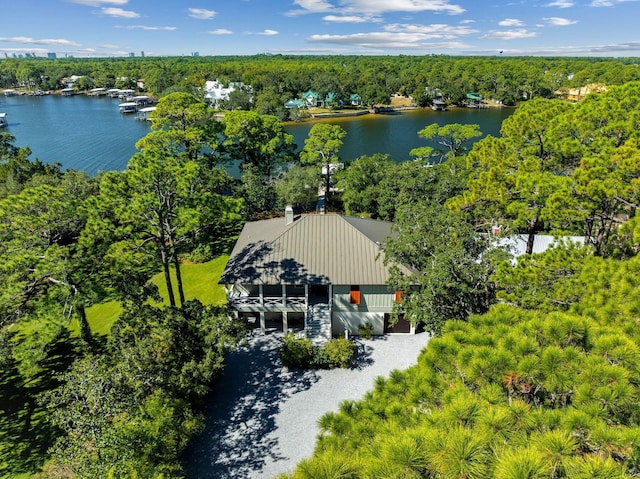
pixel 288 215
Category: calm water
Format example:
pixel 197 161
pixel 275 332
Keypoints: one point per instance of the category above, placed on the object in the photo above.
pixel 397 134
pixel 80 132
pixel 90 134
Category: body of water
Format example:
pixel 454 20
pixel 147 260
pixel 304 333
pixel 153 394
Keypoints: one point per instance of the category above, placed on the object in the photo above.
pixel 397 133
pixel 80 132
pixel 90 134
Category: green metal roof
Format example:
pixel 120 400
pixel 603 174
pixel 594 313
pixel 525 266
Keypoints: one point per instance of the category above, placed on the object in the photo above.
pixel 294 103
pixel 314 249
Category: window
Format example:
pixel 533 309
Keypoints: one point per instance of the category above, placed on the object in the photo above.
pixel 354 294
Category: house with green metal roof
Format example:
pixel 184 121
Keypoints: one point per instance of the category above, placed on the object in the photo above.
pixel 311 98
pixel 295 103
pixel 321 274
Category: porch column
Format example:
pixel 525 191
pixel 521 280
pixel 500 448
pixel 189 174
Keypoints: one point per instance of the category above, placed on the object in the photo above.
pixel 306 304
pixel 263 322
pixel 285 323
pixel 261 294
pixel 284 295
pixel 330 293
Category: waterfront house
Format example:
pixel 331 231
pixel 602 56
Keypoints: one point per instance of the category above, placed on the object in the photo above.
pixel 295 104
pixel 311 98
pixel 355 100
pixel 474 100
pixel 215 91
pixel 321 274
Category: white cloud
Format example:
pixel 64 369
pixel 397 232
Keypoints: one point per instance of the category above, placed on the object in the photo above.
pixel 376 7
pixel 109 46
pixel 268 32
pixel 608 3
pixel 220 31
pixel 510 22
pixel 201 13
pixel 560 4
pixel 146 27
pixel 119 12
pixel 311 6
pixel 559 22
pixel 99 3
pixel 40 41
pixel 351 18
pixel 381 6
pixel 625 49
pixel 387 40
pixel 430 31
pixel 509 34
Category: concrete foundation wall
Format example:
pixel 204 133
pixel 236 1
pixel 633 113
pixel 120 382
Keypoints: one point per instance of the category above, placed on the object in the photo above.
pixel 343 320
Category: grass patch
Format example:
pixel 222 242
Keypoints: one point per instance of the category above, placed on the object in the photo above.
pixel 200 282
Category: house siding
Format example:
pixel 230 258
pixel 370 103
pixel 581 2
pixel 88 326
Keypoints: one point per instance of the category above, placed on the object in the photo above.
pixel 373 298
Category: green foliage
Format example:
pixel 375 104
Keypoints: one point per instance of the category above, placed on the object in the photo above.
pixel 545 281
pixel 559 167
pixel 339 353
pixel 259 140
pixel 512 393
pixel 361 183
pixel 454 139
pixel 300 352
pixel 321 150
pixel 129 413
pixel 449 266
pixel 296 351
pixel 298 187
pixel 365 330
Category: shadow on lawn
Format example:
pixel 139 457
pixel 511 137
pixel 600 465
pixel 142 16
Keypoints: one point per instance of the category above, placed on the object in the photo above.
pixel 241 413
pixel 25 433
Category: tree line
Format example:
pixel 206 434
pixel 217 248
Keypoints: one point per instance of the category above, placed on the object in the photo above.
pixel 274 79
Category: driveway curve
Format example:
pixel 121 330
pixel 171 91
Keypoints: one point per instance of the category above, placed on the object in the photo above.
pixel 261 420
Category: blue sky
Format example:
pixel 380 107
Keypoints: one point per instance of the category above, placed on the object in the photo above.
pixel 99 28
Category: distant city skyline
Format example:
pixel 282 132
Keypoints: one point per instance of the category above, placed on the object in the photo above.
pixel 107 28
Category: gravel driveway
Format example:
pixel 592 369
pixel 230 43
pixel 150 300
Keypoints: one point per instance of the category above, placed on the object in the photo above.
pixel 262 419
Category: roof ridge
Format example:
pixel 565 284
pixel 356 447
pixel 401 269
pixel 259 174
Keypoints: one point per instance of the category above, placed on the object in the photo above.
pixel 344 218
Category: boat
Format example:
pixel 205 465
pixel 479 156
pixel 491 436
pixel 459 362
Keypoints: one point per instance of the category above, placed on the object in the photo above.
pixel 141 100
pixel 10 92
pixel 143 113
pixel 3 120
pixel 68 92
pixel 124 94
pixel 128 107
pixel 113 92
pixel 438 105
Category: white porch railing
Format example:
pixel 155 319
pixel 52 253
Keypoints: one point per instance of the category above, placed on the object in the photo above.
pixel 271 301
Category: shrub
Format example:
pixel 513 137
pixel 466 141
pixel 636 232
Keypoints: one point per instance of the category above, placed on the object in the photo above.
pixel 299 352
pixel 339 353
pixel 296 352
pixel 365 330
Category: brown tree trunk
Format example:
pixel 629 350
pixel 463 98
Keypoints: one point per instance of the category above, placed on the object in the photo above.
pixel 164 256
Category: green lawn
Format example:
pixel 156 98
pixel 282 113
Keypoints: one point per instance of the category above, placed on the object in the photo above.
pixel 200 282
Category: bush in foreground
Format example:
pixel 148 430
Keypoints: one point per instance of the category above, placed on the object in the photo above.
pixel 299 352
